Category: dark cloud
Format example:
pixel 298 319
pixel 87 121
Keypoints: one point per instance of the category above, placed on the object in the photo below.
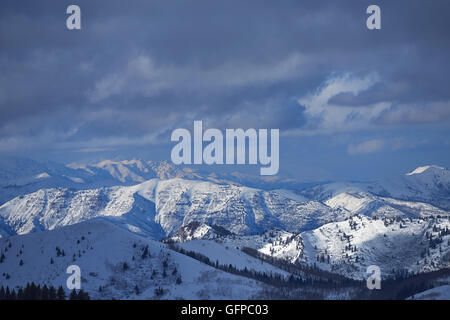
pixel 410 114
pixel 379 92
pixel 136 70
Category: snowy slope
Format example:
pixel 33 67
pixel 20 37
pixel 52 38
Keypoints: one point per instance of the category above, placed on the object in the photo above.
pixel 366 203
pixel 275 242
pixel 349 247
pixel 126 172
pixel 400 223
pixel 227 255
pixel 240 210
pixel 438 293
pixel 132 171
pixel 429 184
pixel 47 209
pixel 197 230
pixel 100 249
pixel 226 248
pixel 355 198
pixel 20 176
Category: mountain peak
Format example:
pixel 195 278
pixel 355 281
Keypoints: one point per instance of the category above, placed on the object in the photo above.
pixel 420 170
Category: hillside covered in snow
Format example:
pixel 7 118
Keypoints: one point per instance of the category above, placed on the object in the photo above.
pixel 150 230
pixel 158 208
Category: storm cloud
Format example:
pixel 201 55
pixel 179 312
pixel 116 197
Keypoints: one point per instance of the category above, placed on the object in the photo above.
pixel 137 70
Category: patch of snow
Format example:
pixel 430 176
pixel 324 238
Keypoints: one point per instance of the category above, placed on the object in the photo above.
pixel 438 293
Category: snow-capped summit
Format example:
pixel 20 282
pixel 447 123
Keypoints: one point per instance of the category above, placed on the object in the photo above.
pixel 430 184
pixel 20 176
pixel 158 208
pixel 419 170
pixel 131 171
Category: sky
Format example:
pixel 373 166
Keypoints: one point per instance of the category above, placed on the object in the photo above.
pixel 350 103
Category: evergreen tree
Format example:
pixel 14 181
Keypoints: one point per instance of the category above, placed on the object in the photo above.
pixel 52 293
pixel 7 294
pixel 44 293
pixel 30 292
pixel 19 294
pixel 159 291
pixel 34 291
pixel 82 295
pixel 145 253
pixel 61 294
pixel 73 295
pixel 13 295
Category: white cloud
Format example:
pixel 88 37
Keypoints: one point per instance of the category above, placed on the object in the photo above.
pixel 366 147
pixel 403 143
pixel 317 102
pixel 417 114
pixel 329 118
pixel 106 87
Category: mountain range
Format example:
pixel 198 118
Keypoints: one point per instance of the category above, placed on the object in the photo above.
pixel 251 225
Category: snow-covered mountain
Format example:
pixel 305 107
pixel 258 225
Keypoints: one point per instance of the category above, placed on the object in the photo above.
pixel 136 171
pixel 118 264
pixel 422 192
pixel 354 198
pixel 275 242
pixel 133 171
pixel 158 208
pixel 197 230
pixel 113 263
pixel 400 223
pixel 349 247
pixel 19 176
pixel 429 184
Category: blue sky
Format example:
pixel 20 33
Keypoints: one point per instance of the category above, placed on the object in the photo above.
pixel 350 103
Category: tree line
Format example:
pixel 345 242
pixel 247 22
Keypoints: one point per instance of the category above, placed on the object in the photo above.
pixel 37 292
